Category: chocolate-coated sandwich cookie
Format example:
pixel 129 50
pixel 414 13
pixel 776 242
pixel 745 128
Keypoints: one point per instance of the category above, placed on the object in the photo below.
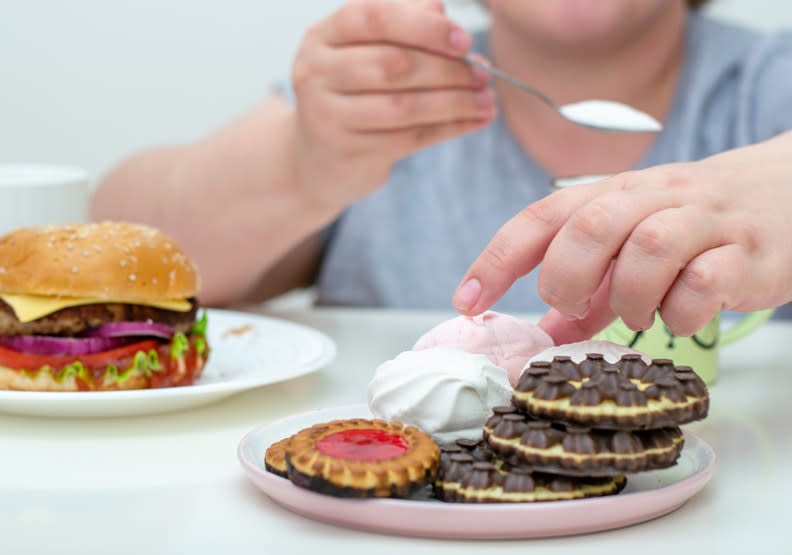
pixel 573 450
pixel 362 458
pixel 477 448
pixel 463 479
pixel 628 394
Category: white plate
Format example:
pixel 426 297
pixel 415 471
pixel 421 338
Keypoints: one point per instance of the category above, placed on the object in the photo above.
pixel 647 496
pixel 248 351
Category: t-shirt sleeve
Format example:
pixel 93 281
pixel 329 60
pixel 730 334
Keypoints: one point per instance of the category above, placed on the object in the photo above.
pixel 767 90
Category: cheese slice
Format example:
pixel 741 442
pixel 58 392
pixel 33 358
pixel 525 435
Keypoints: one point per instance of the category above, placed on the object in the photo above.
pixel 32 307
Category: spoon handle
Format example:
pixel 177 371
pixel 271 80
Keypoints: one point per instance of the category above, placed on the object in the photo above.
pixel 508 78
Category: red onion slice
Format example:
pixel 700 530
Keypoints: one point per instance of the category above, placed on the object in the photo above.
pixel 127 329
pixel 62 346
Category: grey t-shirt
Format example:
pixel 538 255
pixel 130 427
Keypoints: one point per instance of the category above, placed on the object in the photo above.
pixel 408 244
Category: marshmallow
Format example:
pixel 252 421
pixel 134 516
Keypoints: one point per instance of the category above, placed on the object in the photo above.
pixel 507 341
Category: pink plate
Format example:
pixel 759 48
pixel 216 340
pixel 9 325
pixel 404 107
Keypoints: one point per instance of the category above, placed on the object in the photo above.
pixel 648 495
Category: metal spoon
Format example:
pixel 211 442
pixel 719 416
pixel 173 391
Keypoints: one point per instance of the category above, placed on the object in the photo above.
pixel 602 115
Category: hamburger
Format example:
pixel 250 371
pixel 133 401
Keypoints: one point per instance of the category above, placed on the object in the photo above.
pixel 98 307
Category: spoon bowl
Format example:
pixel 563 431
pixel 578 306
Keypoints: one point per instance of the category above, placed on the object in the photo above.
pixel 601 115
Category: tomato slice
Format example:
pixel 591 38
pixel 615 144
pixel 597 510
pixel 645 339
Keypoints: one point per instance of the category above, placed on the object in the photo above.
pixel 27 361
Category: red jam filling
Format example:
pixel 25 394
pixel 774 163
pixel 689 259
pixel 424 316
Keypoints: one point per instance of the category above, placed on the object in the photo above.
pixel 363 445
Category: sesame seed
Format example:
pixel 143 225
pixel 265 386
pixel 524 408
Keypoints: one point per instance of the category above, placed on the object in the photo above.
pixel 75 269
pixel 86 253
pixel 123 263
pixel 2 270
pixel 153 281
pixel 132 277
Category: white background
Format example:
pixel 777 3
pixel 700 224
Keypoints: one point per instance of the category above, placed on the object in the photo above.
pixel 87 82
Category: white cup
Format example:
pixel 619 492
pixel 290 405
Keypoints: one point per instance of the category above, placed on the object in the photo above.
pixel 40 194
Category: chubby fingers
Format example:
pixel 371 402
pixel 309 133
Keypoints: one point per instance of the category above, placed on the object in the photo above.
pixel 706 285
pixel 651 233
pixel 384 67
pixel 420 25
pixel 386 76
pixel 714 280
pixel 658 255
pixel 578 257
pixel 382 112
pixel 614 251
pixel 389 88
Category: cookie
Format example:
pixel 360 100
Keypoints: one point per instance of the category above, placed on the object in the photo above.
pixel 573 450
pixel 362 458
pixel 275 458
pixel 463 479
pixel 628 394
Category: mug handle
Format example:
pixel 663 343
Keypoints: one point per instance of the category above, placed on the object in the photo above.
pixel 746 325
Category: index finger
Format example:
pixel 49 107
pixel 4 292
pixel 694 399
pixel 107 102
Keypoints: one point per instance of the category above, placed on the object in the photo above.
pixel 520 245
pixel 408 24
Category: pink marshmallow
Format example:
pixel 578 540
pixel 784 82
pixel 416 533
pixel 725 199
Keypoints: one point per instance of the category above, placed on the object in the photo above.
pixel 507 341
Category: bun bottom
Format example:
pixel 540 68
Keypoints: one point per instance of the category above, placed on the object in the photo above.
pixel 16 380
pixel 182 370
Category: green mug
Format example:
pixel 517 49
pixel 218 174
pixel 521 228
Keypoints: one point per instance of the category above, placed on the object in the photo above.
pixel 699 351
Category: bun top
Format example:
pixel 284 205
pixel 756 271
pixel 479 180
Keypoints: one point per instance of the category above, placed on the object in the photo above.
pixel 116 260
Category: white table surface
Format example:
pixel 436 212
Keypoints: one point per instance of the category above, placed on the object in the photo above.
pixel 171 483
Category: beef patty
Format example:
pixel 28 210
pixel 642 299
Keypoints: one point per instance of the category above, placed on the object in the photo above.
pixel 76 319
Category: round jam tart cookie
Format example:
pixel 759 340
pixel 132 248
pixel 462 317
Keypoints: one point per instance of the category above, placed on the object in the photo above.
pixel 463 479
pixel 573 450
pixel 275 458
pixel 362 458
pixel 628 394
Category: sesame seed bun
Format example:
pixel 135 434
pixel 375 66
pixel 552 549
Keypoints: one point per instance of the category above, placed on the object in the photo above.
pixel 116 260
